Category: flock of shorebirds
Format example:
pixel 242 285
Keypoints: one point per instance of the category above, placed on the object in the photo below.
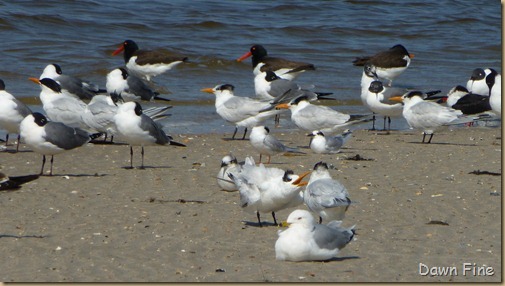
pixel 77 112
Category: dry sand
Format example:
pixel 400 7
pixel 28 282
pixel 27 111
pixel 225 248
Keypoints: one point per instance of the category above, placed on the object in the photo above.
pixel 96 221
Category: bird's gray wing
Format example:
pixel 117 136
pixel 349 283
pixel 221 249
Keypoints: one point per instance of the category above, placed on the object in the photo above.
pixel 22 108
pixel 432 114
pixel 64 136
pixel 281 86
pixel 138 87
pixel 273 143
pixel 323 116
pixel 329 193
pixel 102 113
pixel 154 129
pixel 247 106
pixel 334 143
pixel 332 237
pixel 249 193
pixel 75 85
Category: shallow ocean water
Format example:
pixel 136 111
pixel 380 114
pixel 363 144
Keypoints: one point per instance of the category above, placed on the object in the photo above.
pixel 449 39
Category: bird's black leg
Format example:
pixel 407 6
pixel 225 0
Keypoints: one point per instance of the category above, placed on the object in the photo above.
pixel 51 171
pixel 275 220
pixel 131 157
pixel 373 122
pixel 43 163
pixel 259 220
pixel 384 128
pixel 431 136
pixel 389 123
pixel 234 133
pixel 6 139
pixel 320 220
pixel 424 135
pixel 19 140
pixel 142 152
pixel 245 132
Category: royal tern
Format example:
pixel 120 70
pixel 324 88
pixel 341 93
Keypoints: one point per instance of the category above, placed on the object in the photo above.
pixel 12 112
pixel 266 144
pixel 130 86
pixel 325 196
pixel 285 68
pixel 311 117
pixel 139 129
pixel 426 115
pixel 60 107
pixel 13 183
pixel 304 240
pixel 322 144
pixel 148 63
pixel 74 86
pixel 229 164
pixel 267 190
pixel 241 111
pixel 378 102
pixel 390 63
pixel 50 138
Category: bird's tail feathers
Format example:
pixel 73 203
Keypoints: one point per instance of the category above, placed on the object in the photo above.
pixel 176 143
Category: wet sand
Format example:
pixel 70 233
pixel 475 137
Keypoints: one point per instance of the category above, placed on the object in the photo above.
pixel 435 204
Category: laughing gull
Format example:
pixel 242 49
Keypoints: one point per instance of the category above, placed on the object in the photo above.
pixel 130 86
pixel 50 138
pixel 139 129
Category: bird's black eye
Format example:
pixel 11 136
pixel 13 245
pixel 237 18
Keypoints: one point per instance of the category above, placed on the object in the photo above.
pixel 124 73
pixel 40 119
pixel 287 176
pixel 138 109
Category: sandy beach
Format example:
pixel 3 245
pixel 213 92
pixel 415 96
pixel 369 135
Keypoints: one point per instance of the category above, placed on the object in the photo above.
pixel 419 207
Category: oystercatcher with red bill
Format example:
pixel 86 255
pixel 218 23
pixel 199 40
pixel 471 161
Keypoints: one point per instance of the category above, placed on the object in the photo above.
pixel 390 63
pixel 284 68
pixel 148 63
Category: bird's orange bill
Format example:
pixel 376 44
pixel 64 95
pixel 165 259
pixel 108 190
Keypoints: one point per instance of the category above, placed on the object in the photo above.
pixel 208 90
pixel 35 80
pixel 396 98
pixel 244 56
pixel 411 56
pixel 282 106
pixel 119 50
pixel 299 182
